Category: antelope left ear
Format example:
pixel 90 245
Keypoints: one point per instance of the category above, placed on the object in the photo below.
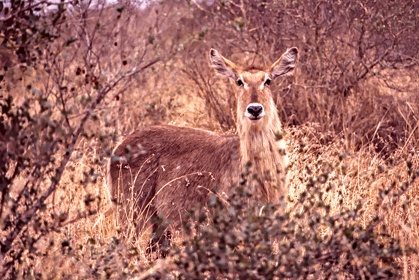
pixel 222 65
pixel 285 65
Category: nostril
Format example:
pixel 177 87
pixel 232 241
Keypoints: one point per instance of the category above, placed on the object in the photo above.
pixel 255 110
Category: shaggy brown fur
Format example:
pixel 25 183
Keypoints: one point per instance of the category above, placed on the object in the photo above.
pixel 163 171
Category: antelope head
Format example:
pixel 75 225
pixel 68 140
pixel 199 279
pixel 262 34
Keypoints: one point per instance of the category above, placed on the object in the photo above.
pixel 255 104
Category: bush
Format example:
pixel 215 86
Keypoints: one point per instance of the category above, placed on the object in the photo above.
pixel 308 239
pixel 351 52
pixel 45 122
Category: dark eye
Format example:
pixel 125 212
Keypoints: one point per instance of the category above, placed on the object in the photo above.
pixel 239 82
pixel 267 82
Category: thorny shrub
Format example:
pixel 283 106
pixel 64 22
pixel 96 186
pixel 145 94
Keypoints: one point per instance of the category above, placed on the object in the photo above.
pixel 243 240
pixel 351 54
pixel 66 44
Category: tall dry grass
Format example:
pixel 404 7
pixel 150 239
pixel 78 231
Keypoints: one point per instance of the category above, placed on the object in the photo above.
pixel 357 173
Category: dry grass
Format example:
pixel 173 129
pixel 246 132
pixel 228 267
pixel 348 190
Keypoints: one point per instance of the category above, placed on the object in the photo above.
pixel 358 177
pixel 357 174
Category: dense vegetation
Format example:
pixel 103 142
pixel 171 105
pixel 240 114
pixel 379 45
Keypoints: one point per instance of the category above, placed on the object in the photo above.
pixel 78 75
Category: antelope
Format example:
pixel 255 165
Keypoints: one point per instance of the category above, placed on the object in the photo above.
pixel 162 171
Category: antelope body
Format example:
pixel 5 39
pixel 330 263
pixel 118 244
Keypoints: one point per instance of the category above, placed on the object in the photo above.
pixel 162 171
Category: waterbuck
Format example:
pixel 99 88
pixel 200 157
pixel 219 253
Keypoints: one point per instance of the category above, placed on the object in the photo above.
pixel 160 172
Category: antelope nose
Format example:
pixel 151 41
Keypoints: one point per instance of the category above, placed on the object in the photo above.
pixel 255 111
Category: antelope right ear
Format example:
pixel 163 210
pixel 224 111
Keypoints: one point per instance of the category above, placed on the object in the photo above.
pixel 222 65
pixel 285 65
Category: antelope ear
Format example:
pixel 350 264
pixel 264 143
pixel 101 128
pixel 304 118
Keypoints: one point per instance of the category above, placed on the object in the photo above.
pixel 222 65
pixel 285 65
